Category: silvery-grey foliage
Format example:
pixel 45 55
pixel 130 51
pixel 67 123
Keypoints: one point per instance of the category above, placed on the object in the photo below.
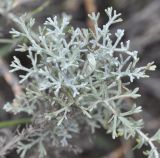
pixel 6 5
pixel 76 80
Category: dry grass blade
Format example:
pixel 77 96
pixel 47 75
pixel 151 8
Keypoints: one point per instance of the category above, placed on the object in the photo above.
pixel 90 7
pixel 10 78
pixel 119 152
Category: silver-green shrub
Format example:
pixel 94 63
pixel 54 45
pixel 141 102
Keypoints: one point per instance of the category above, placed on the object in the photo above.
pixel 76 80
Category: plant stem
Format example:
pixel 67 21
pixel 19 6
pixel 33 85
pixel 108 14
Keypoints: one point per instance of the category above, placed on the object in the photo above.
pixel 150 143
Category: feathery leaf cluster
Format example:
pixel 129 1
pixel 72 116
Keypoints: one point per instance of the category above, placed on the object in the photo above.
pixel 76 80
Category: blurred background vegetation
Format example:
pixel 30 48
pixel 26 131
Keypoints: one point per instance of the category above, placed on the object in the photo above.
pixel 142 25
